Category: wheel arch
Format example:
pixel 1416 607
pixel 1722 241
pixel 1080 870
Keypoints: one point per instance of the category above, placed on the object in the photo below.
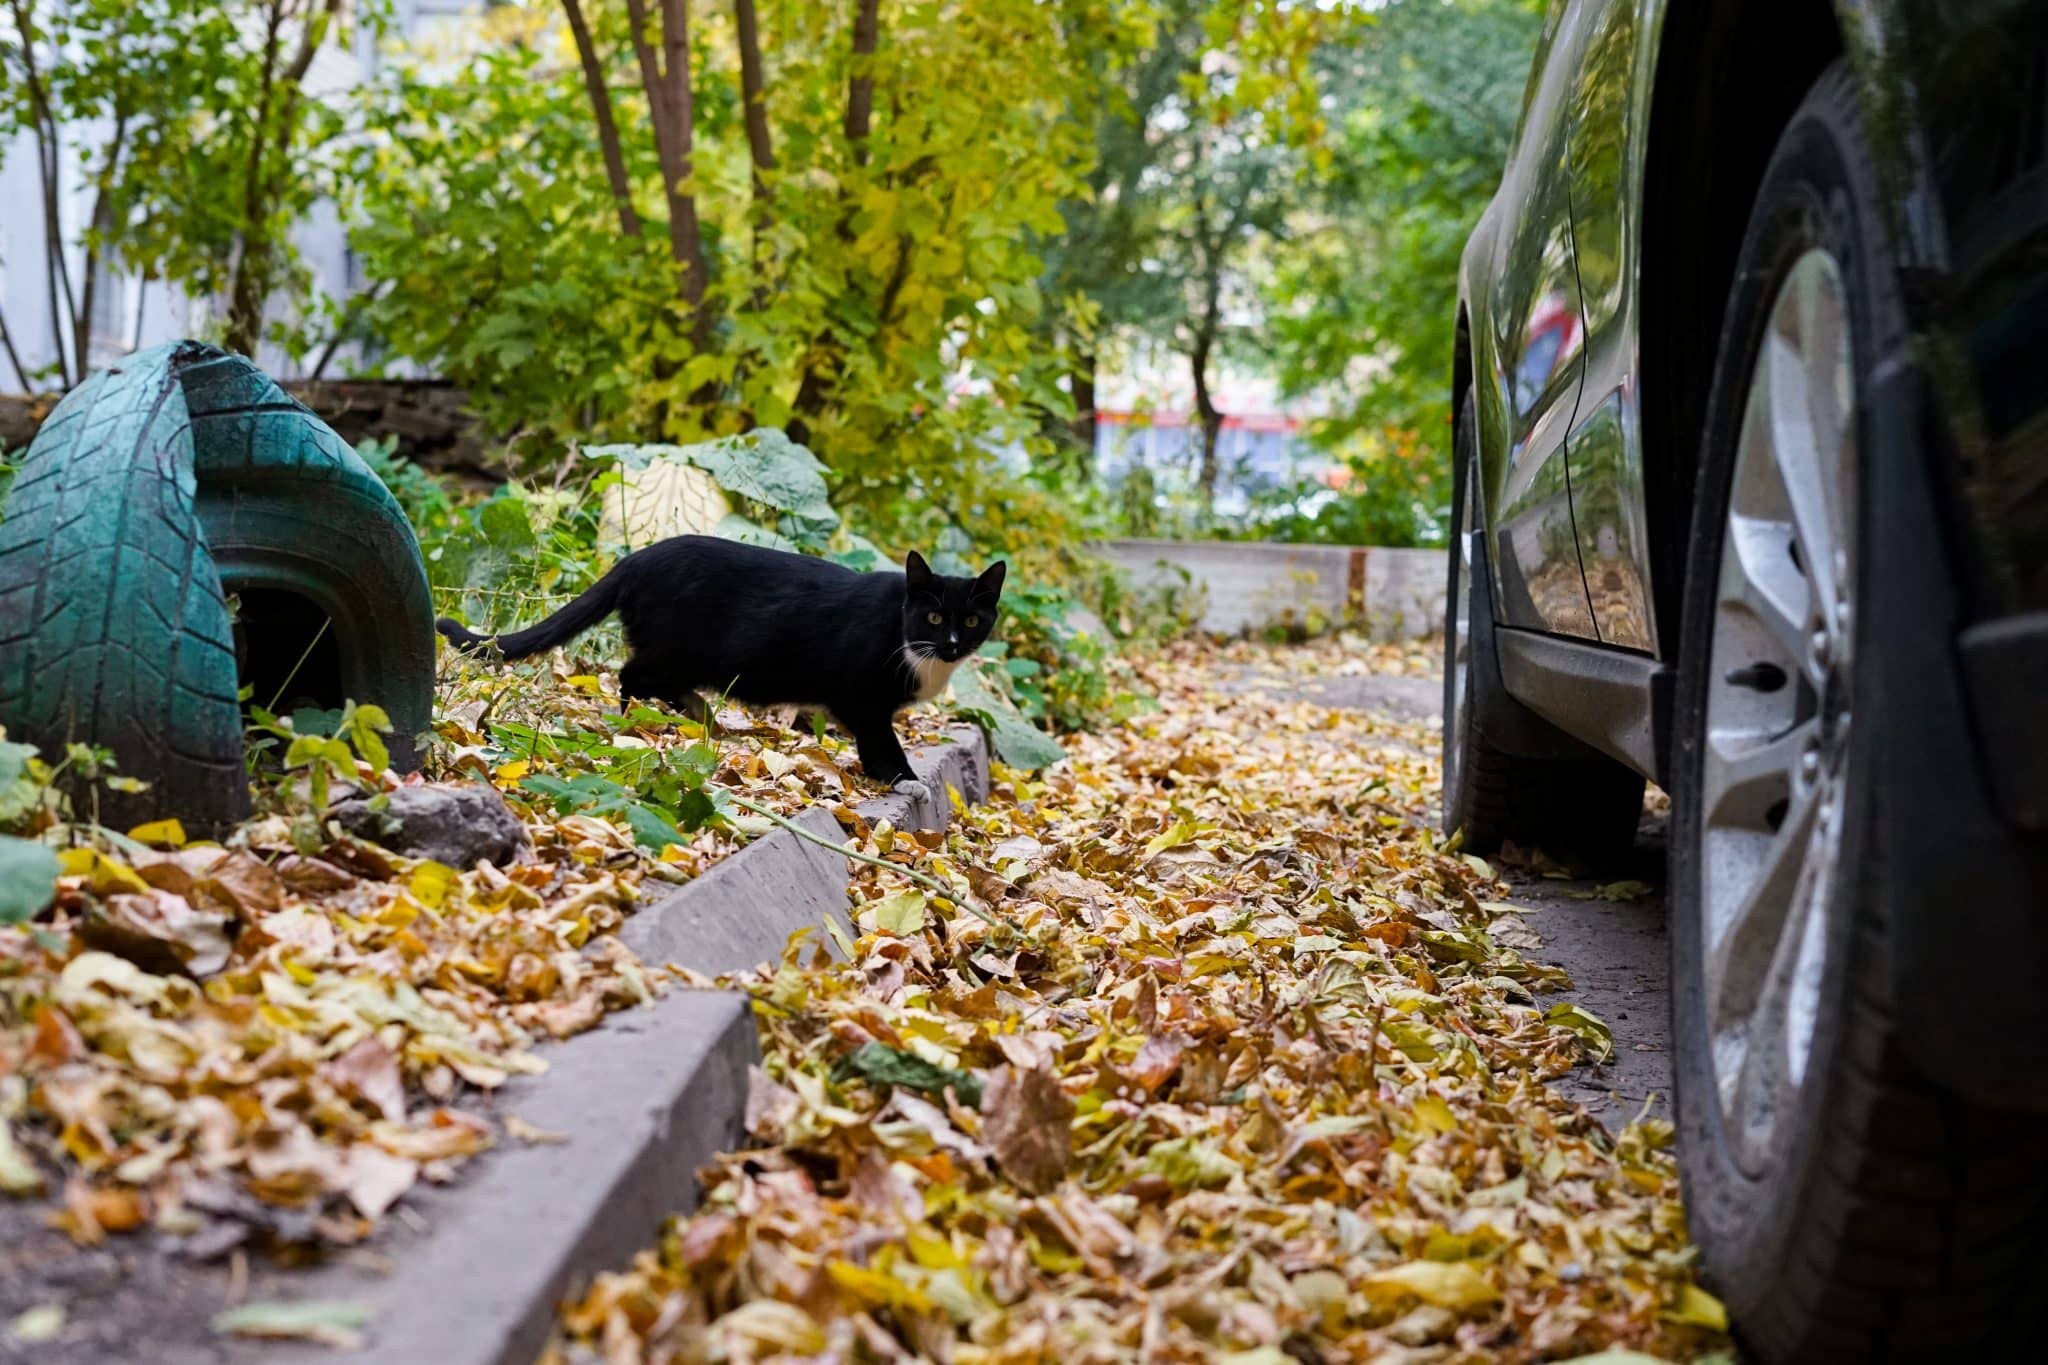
pixel 1704 158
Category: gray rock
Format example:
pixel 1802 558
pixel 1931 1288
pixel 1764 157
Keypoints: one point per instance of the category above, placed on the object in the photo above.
pixel 452 823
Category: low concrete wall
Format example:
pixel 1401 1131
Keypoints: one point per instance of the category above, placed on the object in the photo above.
pixel 1252 586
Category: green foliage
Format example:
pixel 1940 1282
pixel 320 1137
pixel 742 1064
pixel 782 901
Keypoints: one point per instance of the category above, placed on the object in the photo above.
pixel 880 1064
pixel 325 745
pixel 1391 489
pixel 190 123
pixel 1363 297
pixel 28 878
pixel 781 484
pixel 28 869
pixel 983 701
pixel 662 795
pixel 1057 663
pixel 23 779
pixel 879 292
pixel 420 495
pixel 517 553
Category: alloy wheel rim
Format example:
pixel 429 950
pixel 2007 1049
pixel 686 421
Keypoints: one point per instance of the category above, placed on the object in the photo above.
pixel 1774 775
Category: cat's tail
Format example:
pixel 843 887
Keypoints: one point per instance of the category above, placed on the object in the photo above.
pixel 600 601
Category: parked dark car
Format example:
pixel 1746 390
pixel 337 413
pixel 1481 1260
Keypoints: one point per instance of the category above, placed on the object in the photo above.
pixel 1770 528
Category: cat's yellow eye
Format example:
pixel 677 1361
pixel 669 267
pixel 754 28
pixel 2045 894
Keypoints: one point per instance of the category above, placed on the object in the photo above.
pixel 971 622
pixel 935 618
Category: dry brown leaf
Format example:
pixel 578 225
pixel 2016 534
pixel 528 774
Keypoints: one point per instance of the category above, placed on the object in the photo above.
pixel 368 1071
pixel 375 1179
pixel 1026 1119
pixel 243 884
pixel 159 932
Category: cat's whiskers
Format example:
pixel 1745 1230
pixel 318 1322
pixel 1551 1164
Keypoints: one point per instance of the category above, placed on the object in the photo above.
pixel 930 672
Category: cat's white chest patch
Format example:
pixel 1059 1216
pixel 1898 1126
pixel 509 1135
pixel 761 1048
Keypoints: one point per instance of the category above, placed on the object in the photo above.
pixel 932 674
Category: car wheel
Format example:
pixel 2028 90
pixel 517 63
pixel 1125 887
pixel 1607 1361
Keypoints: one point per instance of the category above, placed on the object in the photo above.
pixel 1494 789
pixel 1835 1195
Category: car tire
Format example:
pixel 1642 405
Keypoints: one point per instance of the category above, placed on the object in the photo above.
pixel 300 530
pixel 113 627
pixel 1846 1207
pixel 163 486
pixel 1496 790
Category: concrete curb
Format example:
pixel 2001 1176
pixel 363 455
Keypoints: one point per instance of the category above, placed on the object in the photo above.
pixel 642 1101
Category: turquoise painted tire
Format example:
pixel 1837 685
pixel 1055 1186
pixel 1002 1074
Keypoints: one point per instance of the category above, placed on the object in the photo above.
pixel 166 485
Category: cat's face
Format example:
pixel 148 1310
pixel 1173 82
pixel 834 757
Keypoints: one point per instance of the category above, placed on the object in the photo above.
pixel 947 618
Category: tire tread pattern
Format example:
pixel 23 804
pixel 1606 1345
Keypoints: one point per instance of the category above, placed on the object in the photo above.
pixel 155 489
pixel 113 625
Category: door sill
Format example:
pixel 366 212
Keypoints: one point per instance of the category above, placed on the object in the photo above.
pixel 1616 700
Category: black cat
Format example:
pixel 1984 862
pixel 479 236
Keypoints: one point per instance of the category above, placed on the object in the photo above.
pixel 766 626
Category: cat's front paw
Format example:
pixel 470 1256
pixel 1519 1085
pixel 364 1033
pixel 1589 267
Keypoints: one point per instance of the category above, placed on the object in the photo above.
pixel 914 789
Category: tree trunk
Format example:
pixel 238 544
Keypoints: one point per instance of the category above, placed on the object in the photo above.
pixel 760 147
pixel 607 128
pixel 255 267
pixel 669 95
pixel 13 356
pixel 675 33
pixel 102 220
pixel 1205 407
pixel 49 151
pixel 1082 381
pixel 245 315
pixel 821 365
pixel 753 95
pixel 860 85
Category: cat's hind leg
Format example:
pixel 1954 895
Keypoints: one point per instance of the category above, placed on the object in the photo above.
pixel 641 681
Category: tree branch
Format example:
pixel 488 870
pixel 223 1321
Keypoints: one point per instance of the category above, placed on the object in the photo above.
pixel 666 76
pixel 101 221
pixel 13 356
pixel 821 361
pixel 753 95
pixel 607 128
pixel 352 312
pixel 63 305
pixel 860 84
pixel 244 329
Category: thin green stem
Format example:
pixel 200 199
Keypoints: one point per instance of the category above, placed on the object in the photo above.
pixel 965 900
pixel 290 677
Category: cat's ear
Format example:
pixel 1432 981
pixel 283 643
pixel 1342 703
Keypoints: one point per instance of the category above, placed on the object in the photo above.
pixel 917 574
pixel 990 583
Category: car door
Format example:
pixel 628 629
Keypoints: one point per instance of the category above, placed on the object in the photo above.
pixel 1539 333
pixel 1607 107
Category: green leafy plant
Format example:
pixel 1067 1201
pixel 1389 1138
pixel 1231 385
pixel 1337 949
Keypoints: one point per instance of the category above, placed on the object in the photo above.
pixel 661 795
pixel 780 484
pixel 325 744
pixel 28 878
pixel 38 804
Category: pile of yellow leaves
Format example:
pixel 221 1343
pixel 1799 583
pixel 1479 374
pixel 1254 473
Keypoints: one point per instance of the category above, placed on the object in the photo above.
pixel 279 1034
pixel 1238 1074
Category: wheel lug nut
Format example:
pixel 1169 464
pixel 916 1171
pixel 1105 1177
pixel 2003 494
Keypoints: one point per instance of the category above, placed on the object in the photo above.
pixel 1821 646
pixel 1809 764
